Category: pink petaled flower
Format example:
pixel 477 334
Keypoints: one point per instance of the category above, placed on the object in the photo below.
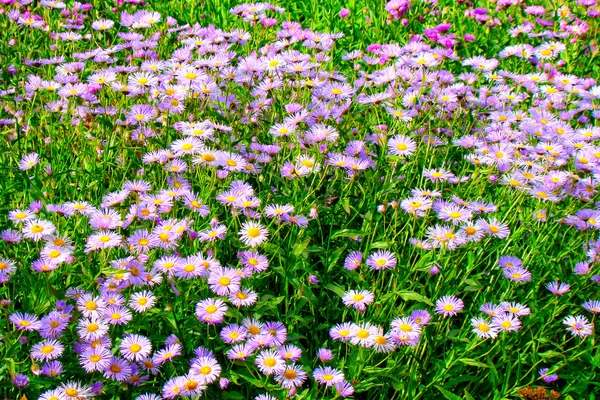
pixel 449 306
pixel 29 161
pixel 579 325
pixel 382 260
pixel 328 376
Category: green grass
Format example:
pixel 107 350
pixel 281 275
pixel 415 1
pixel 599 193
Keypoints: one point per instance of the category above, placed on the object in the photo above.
pixel 96 155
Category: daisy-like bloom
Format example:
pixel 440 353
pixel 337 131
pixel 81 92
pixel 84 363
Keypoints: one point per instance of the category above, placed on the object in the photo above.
pixel 383 343
pixel 496 228
pixel 7 267
pixel 47 350
pixel 509 262
pixel 233 334
pixel 118 370
pixel 358 299
pixel 363 334
pixel 484 329
pixel 579 325
pixel 269 362
pixel 52 369
pixel 449 306
pixel 255 261
pixel 243 298
pixel 592 306
pixel 37 229
pixel 25 322
pixel 254 326
pixel 240 352
pixel 472 231
pixel 440 236
pixel 173 387
pixel 420 317
pixel 142 80
pixel 135 347
pixel 437 175
pixel 253 234
pixel 19 216
pixel 344 389
pixel 55 254
pixel 75 390
pixel 342 332
pixel 102 240
pixel 117 315
pixel 90 305
pixel 53 325
pixel 162 356
pixel 455 214
pixel 142 241
pixel 291 376
pixel 95 359
pixel 290 352
pixel 216 232
pixel 91 328
pixel 381 259
pixel 416 205
pixel 328 376
pixel 190 145
pixel 406 326
pixel 517 274
pixel 278 211
pixel 168 264
pixel 55 394
pixel 402 146
pixel 11 236
pixel 224 281
pixel 507 322
pixel 558 288
pixel 211 311
pixel 515 308
pixel 142 301
pixel 192 385
pixel 207 368
pixel 353 260
pixel 491 309
pixel 277 331
pixel 102 24
pixel 29 161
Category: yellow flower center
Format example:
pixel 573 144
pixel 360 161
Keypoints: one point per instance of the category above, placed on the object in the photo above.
pixel 270 362
pixel 224 281
pixel 135 348
pixel 362 334
pixel 211 309
pixel 253 233
pixel 358 297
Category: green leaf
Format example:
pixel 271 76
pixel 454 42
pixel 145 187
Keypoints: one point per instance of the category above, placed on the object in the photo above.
pixel 348 233
pixel 447 394
pixel 300 247
pixel 335 289
pixel 379 245
pixel 473 363
pixel 233 396
pixel 412 295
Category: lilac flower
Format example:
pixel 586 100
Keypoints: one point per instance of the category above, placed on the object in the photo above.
pixel 449 306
